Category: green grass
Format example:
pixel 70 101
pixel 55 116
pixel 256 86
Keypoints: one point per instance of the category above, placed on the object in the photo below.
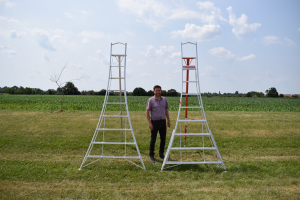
pixel 41 151
pixel 94 103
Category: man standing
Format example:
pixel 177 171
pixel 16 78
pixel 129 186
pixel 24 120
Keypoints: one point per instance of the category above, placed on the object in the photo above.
pixel 158 106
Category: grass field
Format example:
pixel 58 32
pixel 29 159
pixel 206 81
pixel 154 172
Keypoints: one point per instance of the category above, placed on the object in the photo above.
pixel 41 151
pixel 94 103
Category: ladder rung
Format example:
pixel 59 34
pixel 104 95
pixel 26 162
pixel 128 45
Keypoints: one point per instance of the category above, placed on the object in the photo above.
pixel 115 103
pixel 129 157
pixel 113 129
pixel 193 148
pixel 193 162
pixel 192 134
pixel 117 54
pixel 114 115
pixel 189 68
pixel 191 106
pixel 190 94
pixel 116 90
pixel 189 81
pixel 116 77
pixel 116 66
pixel 113 143
pixel 191 120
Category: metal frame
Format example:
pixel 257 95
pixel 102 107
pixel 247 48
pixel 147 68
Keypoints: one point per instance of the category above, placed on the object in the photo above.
pixel 204 128
pixel 123 130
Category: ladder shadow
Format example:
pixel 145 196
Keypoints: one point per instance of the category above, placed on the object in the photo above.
pixel 195 168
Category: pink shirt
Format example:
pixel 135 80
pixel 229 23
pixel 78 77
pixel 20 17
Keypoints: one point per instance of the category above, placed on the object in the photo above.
pixel 157 107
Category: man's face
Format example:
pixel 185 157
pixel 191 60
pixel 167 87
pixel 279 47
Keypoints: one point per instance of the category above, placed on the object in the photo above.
pixel 157 92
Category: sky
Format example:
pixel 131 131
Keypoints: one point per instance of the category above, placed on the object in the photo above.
pixel 242 45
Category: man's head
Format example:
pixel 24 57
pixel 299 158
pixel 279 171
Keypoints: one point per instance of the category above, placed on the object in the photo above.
pixel 157 90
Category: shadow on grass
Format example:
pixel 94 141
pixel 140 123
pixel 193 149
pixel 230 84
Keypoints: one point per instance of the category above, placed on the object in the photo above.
pixel 195 168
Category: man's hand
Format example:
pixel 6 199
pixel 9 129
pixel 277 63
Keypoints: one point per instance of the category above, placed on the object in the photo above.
pixel 169 123
pixel 151 126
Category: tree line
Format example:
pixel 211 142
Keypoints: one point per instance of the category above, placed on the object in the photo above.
pixel 71 89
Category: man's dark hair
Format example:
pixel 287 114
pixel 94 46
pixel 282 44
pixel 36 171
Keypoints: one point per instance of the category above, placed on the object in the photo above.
pixel 156 86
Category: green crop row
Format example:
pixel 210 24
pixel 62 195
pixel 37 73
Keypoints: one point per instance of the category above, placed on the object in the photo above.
pixel 135 103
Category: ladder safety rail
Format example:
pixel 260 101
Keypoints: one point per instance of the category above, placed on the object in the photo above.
pixel 104 128
pixel 203 133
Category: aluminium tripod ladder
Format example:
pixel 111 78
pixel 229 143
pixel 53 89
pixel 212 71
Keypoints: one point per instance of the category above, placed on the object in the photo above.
pixel 114 126
pixel 192 141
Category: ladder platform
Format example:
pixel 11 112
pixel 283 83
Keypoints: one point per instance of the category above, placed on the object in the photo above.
pixel 190 94
pixel 193 148
pixel 115 103
pixel 192 134
pixel 193 162
pixel 113 143
pixel 188 57
pixel 113 129
pixel 189 67
pixel 190 81
pixel 116 66
pixel 116 77
pixel 117 54
pixel 124 157
pixel 116 90
pixel 191 120
pixel 191 106
pixel 115 115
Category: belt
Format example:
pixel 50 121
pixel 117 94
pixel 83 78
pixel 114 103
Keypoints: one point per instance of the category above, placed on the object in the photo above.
pixel 159 120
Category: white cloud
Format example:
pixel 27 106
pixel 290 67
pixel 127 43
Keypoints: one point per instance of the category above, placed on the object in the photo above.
pixel 85 41
pixel 91 58
pixel 164 49
pixel 9 20
pixel 240 26
pixel 221 52
pixel 4 46
pixel 68 15
pixel 10 52
pixel 175 55
pixel 8 3
pixel 150 11
pixel 206 32
pixel 289 42
pixel 212 13
pixel 210 71
pixel 270 39
pixel 247 57
pixel 150 51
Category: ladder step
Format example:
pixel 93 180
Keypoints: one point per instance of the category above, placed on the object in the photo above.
pixel 191 106
pixel 113 143
pixel 189 81
pixel 188 57
pixel 116 66
pixel 192 134
pixel 129 157
pixel 189 68
pixel 116 78
pixel 117 54
pixel 113 129
pixel 191 120
pixel 115 115
pixel 193 162
pixel 116 90
pixel 190 94
pixel 115 103
pixel 193 148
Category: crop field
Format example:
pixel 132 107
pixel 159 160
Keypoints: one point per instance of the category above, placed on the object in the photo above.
pixel 41 151
pixel 94 103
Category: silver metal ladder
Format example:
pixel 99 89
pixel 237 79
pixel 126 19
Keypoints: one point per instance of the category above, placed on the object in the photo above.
pixel 117 137
pixel 192 141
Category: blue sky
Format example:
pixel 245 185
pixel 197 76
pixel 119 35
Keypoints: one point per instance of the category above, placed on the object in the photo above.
pixel 242 45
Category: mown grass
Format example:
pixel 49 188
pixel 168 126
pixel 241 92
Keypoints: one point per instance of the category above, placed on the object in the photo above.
pixel 95 103
pixel 41 151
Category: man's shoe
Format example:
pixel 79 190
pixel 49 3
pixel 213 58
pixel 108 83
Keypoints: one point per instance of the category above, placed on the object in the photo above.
pixel 152 159
pixel 162 156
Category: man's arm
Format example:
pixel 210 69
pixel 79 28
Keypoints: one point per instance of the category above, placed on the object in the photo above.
pixel 168 118
pixel 148 119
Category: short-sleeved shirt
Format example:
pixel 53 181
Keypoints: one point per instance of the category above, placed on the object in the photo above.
pixel 157 107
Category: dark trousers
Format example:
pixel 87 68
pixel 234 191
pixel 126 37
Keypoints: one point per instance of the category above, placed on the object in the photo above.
pixel 159 125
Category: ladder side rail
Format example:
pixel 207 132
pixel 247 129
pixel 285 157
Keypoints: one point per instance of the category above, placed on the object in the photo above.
pixel 125 95
pixel 219 155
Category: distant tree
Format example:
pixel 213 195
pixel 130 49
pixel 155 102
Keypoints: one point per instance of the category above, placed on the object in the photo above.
pixel 281 95
pixel 248 94
pixel 70 89
pixel 28 90
pixel 56 79
pixel 236 92
pixel 102 92
pixel 164 93
pixel 150 93
pixel 15 87
pixel 21 90
pixel 172 92
pixel 139 92
pixel 10 91
pixel 272 92
pixel 51 92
